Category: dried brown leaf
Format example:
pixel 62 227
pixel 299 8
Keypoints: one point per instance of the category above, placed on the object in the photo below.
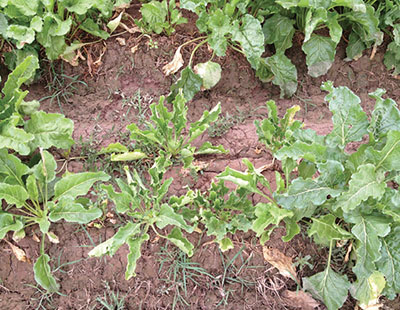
pixel 19 253
pixel 280 261
pixel 121 41
pixel 300 299
pixel 35 238
pixel 175 64
pixel 134 29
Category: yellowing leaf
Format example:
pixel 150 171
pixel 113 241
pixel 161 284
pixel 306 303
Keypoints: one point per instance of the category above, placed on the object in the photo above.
pixel 175 64
pixel 53 237
pixel 280 261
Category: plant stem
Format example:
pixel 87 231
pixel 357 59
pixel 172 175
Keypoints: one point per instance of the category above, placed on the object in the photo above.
pixel 194 51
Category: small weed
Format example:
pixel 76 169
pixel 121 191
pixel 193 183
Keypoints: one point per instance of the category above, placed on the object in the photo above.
pixel 111 300
pixel 179 271
pixel 61 86
pixel 41 299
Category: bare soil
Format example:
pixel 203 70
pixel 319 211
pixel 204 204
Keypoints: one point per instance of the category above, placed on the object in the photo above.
pixel 101 112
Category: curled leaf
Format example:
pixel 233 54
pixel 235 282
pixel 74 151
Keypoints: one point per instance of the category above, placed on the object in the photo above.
pixel 53 237
pixel 176 63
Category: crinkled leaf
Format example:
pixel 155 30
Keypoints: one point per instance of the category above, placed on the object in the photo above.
pixel 226 244
pixel 43 274
pixel 12 166
pixel 15 138
pixel 71 211
pixel 13 194
pixel 22 34
pixel 77 6
pixel 135 244
pixel 389 263
pixel 268 214
pixel 200 126
pixel 365 183
pixel 250 36
pixel 314 152
pixel 110 246
pixel 320 54
pixel 350 122
pixel 74 185
pixel 389 157
pixel 324 229
pixel 279 30
pixel 122 200
pixel 220 25
pixel 176 237
pixel 50 130
pixel 154 14
pixel 285 73
pixel 303 193
pixel 329 287
pixel 189 82
pixel 368 230
pixel 208 148
pixel 8 223
pixel 168 216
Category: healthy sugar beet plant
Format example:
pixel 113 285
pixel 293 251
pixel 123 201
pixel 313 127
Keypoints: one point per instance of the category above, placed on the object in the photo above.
pixel 346 198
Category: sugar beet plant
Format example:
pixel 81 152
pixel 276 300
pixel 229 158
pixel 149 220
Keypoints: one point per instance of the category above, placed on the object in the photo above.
pixel 148 209
pixel 343 196
pixel 168 131
pixel 33 194
pixel 53 23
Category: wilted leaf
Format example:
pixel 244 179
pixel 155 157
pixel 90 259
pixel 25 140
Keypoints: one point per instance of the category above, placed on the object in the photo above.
pixel 210 72
pixel 176 63
pixel 280 261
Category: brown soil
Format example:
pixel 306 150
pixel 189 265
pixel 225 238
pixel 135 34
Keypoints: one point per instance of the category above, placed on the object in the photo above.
pixel 101 112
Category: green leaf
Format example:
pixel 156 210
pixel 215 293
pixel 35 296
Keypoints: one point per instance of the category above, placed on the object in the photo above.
pixel 74 212
pixel 26 7
pixel 114 148
pixel 389 263
pixel 8 223
pixel 368 290
pixel 36 23
pixel 74 185
pixel 208 148
pixel 329 287
pixel 324 230
pixel 12 166
pixel 220 25
pixel 350 123
pixel 59 27
pixel 392 58
pixel 201 125
pixel 32 188
pixel 134 254
pixel 15 138
pixel 365 183
pixel 313 19
pixel 355 47
pixel 285 73
pixel 122 200
pixel 250 36
pixel 44 171
pixel 314 152
pixel 210 72
pixel 303 193
pixel 110 246
pixel 43 274
pixel 13 194
pixel 320 54
pixel 279 30
pixel 22 34
pixel 368 230
pixel 176 237
pixel 128 156
pixel 268 214
pixel 154 14
pixel 77 6
pixel 50 130
pixel 168 216
pixel 385 116
pixel 91 27
pixel 189 82
pixel 389 157
pixel 113 24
